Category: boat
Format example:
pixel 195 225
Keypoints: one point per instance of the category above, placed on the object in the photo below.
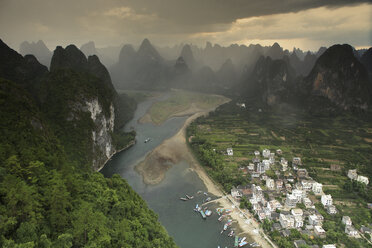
pixel 183 199
pixel 208 199
pixel 254 244
pixel 147 140
pixel 225 227
pixel 236 243
pixel 208 213
pixel 189 197
pixel 231 233
pixel 205 193
pixel 243 239
pixel 241 244
pixel 202 214
pixel 220 218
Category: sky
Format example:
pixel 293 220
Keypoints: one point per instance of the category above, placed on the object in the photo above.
pixel 307 24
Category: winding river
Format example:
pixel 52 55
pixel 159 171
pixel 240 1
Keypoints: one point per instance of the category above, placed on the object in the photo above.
pixel 186 227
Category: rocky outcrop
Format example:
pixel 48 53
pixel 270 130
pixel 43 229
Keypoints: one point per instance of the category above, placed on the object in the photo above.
pixel 340 78
pixel 38 49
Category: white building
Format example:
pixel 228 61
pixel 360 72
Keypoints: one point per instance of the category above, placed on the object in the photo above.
pixel 284 164
pixel 331 209
pixel 291 201
pixel 266 163
pixel 261 168
pixel 297 212
pixel 319 230
pixel 229 151
pixel 363 179
pixel 299 194
pixel 299 222
pixel 307 184
pixel 236 193
pixel 270 183
pixel 286 221
pixel 351 231
pixel 279 152
pixel 314 220
pixel 250 167
pixel 317 188
pixel 326 200
pixel 266 153
pixel 329 246
pixel 352 174
pixel 347 220
pixel 307 202
pixel 256 153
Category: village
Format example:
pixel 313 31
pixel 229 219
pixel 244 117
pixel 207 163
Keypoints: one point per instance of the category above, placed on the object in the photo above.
pixel 287 198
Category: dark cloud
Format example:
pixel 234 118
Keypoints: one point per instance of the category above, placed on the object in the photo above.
pixel 163 21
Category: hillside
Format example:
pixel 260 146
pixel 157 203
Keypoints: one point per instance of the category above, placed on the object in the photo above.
pixel 51 142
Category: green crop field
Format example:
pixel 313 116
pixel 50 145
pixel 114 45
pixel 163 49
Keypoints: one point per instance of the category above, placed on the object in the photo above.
pixel 342 140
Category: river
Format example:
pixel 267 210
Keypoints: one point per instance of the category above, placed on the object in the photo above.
pixel 186 227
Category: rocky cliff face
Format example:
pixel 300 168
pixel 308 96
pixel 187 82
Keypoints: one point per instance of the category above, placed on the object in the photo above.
pixel 340 78
pixel 76 97
pixel 271 81
pixel 95 96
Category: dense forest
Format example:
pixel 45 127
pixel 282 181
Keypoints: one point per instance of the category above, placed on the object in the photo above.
pixel 49 195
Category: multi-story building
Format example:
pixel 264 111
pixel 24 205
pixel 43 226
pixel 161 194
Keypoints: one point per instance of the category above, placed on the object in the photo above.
pixel 270 184
pixel 317 188
pixel 326 200
pixel 286 221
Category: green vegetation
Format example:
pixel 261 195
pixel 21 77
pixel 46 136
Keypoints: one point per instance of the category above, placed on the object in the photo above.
pixel 180 101
pixel 328 146
pixel 48 199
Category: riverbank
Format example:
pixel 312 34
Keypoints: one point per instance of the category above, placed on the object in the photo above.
pixel 174 150
pixel 130 144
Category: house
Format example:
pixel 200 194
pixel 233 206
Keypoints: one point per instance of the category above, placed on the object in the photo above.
pixel 307 202
pixel 352 174
pixel 285 233
pixel 347 220
pixel 284 164
pixel 363 179
pixel 331 209
pixel 229 151
pixel 256 160
pixel 299 194
pixel 299 243
pixel 326 200
pixel 302 173
pixel 277 227
pixel 286 221
pixel 317 188
pixel 272 158
pixel 236 193
pixel 297 212
pixel 299 222
pixel 266 153
pixel 279 152
pixel 318 230
pixel 279 184
pixel 307 184
pixel 250 167
pixel 365 229
pixel 291 201
pixel 351 231
pixel 296 161
pixel 270 183
pixel 264 177
pixel 266 163
pixel 329 246
pixel 288 187
pixel 256 153
pixel 314 220
pixel 274 205
pixel 255 174
pixel 260 168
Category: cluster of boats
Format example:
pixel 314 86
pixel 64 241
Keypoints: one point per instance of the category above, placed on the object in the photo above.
pixel 222 212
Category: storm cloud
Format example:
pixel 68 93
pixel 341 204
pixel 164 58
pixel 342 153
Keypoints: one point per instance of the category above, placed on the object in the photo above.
pixel 166 22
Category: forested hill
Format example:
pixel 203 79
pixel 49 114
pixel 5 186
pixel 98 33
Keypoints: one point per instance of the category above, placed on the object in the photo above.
pixel 47 197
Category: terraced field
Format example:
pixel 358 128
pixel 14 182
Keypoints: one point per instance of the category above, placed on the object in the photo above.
pixel 342 140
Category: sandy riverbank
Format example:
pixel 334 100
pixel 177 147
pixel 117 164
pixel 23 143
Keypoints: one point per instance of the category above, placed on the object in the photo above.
pixel 175 150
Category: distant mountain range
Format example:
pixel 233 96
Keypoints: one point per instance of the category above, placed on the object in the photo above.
pixel 271 72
